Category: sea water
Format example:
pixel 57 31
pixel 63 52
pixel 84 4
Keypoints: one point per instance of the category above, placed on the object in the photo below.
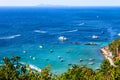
pixel 32 33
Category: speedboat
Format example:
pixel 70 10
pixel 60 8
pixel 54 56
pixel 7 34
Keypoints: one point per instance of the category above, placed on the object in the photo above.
pixel 118 34
pixel 81 60
pixel 91 63
pixel 62 38
pixel 95 37
pixel 91 59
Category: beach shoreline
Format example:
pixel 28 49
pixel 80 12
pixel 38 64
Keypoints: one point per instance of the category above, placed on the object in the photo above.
pixel 107 54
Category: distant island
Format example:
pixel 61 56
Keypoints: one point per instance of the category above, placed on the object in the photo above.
pixel 49 5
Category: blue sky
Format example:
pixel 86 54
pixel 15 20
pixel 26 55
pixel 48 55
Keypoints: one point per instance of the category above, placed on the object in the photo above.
pixel 60 2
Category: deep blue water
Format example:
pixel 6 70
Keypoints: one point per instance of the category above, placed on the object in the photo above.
pixel 25 29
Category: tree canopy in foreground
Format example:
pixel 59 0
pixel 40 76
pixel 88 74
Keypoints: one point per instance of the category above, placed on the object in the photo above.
pixel 11 69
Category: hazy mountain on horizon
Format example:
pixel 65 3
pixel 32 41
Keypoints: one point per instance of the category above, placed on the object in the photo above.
pixel 50 5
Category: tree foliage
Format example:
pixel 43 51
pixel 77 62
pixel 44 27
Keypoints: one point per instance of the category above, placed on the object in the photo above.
pixel 114 46
pixel 13 70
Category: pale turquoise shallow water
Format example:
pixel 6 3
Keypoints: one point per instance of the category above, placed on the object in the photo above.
pixel 70 53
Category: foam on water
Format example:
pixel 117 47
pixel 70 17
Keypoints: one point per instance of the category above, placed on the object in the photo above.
pixel 10 37
pixel 70 31
pixel 39 31
pixel 81 24
pixel 32 67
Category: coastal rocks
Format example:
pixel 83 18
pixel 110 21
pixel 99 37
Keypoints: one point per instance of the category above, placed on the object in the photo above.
pixel 77 43
pixel 105 51
pixel 54 43
pixel 91 44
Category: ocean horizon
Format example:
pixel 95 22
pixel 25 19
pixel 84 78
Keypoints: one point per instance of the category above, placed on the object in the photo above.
pixel 33 33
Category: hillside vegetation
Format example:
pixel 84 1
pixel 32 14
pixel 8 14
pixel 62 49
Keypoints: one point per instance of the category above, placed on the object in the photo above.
pixel 115 46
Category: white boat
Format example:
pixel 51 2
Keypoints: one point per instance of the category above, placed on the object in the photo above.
pixel 97 68
pixel 118 34
pixel 81 60
pixel 95 37
pixel 34 58
pixel 91 59
pixel 51 51
pixel 62 38
pixel 61 60
pixel 24 51
pixel 41 46
pixel 59 57
pixel 91 63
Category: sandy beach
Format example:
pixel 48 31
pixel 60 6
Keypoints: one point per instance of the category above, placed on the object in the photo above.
pixel 107 54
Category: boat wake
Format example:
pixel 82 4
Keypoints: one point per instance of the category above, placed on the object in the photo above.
pixel 39 31
pixel 69 31
pixel 81 24
pixel 10 37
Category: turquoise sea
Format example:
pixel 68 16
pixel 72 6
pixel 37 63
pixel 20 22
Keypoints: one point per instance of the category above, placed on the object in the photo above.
pixel 33 34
